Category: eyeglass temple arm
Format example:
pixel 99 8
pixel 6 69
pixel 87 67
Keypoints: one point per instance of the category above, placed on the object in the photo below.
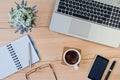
pixel 53 72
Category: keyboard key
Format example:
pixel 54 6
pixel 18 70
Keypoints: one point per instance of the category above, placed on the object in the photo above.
pixel 59 10
pixel 99 21
pixel 103 18
pixel 70 13
pixel 80 16
pixel 62 7
pixel 110 9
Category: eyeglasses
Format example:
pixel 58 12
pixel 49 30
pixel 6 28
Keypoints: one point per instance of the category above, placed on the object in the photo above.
pixel 27 75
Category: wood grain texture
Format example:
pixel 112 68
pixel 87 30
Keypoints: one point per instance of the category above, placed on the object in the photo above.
pixel 50 45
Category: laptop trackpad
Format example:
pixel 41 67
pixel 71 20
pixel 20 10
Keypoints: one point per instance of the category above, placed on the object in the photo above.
pixel 79 28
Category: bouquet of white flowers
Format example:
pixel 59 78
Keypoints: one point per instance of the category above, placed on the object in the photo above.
pixel 22 17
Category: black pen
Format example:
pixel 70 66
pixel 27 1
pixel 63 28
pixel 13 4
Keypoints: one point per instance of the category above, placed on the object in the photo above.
pixel 110 70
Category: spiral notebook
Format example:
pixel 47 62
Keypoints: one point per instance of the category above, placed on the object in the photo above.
pixel 15 55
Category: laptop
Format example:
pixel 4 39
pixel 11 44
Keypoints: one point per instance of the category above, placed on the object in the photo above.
pixel 94 20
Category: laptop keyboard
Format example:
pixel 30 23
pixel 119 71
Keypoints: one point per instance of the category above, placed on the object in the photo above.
pixel 92 11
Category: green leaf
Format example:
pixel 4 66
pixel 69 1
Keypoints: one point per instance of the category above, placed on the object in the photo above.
pixel 22 3
pixel 26 3
pixel 18 6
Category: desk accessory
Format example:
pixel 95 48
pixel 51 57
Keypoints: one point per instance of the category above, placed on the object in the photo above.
pixel 30 56
pixel 14 56
pixel 39 69
pixel 23 17
pixel 99 18
pixel 98 68
pixel 71 57
pixel 110 70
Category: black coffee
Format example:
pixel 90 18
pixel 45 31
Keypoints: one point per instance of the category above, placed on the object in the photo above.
pixel 71 57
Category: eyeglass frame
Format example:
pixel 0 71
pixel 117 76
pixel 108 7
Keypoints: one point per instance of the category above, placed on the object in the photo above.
pixel 41 67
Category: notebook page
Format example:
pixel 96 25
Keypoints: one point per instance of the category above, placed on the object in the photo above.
pixel 21 46
pixel 7 65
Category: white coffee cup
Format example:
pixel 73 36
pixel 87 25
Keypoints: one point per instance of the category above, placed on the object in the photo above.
pixel 74 58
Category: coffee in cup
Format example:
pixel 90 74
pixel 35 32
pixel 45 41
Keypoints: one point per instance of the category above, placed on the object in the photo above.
pixel 72 57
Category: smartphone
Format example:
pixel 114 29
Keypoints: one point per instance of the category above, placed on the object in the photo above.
pixel 99 65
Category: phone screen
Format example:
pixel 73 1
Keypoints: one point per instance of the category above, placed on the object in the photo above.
pixel 98 68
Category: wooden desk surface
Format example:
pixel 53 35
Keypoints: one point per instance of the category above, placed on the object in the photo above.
pixel 50 44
